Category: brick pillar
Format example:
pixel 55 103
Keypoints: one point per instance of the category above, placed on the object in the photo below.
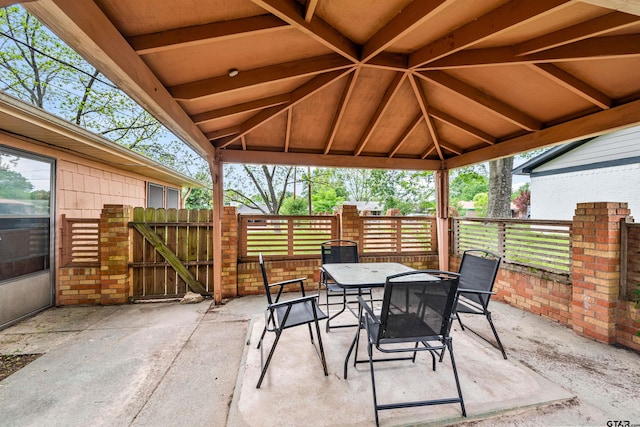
pixel 114 254
pixel 595 272
pixel 229 252
pixel 349 223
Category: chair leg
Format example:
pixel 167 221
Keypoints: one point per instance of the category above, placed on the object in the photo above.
pixel 264 331
pixel 455 374
pixel 373 381
pixel 322 358
pixel 266 365
pixel 495 334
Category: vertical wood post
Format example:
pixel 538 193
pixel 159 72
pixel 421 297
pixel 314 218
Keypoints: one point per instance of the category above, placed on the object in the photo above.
pixel 215 166
pixel 442 214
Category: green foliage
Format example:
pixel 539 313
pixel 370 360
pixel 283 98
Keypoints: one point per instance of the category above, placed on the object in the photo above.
pixel 325 199
pixel 13 185
pixel 480 204
pixel 37 67
pixel 297 206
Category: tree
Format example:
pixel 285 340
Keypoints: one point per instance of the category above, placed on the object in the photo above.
pixel 37 67
pixel 480 202
pixel 500 179
pixel 297 206
pixel 325 199
pixel 261 187
pixel 522 199
pixel 409 191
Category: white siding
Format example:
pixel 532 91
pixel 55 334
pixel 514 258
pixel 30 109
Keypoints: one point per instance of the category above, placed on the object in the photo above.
pixel 556 196
pixel 617 145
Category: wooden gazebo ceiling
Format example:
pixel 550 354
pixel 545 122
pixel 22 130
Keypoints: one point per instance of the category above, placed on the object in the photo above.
pixel 423 84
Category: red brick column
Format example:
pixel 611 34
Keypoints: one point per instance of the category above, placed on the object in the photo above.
pixel 349 222
pixel 229 252
pixel 596 268
pixel 114 254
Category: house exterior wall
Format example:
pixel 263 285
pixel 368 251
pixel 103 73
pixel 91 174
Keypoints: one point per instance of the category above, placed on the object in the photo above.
pixel 605 168
pixel 555 196
pixel 83 187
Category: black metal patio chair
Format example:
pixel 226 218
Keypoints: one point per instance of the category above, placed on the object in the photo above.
pixel 415 316
pixel 334 252
pixel 281 315
pixel 478 271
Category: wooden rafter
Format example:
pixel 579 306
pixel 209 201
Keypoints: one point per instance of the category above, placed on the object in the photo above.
pixel 483 99
pixel 451 147
pixel 182 37
pixel 428 151
pixel 245 107
pixel 574 84
pixel 297 96
pixel 392 89
pixel 287 133
pixel 310 9
pixel 412 16
pixel 511 14
pixel 388 61
pixel 243 142
pixel 592 28
pixel 424 108
pixel 222 133
pixel 289 11
pixel 329 160
pixel 405 134
pixel 342 106
pixel 596 48
pixel 459 124
pixel 259 76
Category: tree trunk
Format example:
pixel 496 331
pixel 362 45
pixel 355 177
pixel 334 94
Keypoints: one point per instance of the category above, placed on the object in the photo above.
pixel 500 188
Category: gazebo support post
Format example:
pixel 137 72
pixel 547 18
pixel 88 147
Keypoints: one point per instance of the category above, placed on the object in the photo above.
pixel 442 217
pixel 215 166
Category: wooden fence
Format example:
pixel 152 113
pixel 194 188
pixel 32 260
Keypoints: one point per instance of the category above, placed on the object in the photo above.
pixel 383 235
pixel 188 235
pixel 629 260
pixel 541 244
pixel 279 236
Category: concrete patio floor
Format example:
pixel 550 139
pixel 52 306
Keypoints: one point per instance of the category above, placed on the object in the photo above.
pixel 196 365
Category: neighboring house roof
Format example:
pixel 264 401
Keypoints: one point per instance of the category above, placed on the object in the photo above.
pixel 246 210
pixel 603 151
pixel 365 206
pixel 26 120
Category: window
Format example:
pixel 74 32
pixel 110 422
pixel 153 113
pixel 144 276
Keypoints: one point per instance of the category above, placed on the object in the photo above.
pixel 173 198
pixel 156 197
pixel 25 213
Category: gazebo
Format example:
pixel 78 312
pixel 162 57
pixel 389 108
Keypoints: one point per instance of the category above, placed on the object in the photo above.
pixel 397 84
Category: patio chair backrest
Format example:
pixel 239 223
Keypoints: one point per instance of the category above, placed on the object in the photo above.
pixel 339 251
pixel 265 280
pixel 417 307
pixel 478 271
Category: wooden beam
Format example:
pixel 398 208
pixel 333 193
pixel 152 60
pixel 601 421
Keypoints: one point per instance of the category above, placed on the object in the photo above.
pixel 405 134
pixel 310 9
pixel 298 95
pixel 451 147
pixel 596 48
pixel 94 37
pixel 287 134
pixel 584 127
pixel 415 14
pixel 290 12
pixel 221 133
pixel 392 89
pixel 388 61
pixel 342 107
pixel 243 141
pixel 189 36
pixel 329 160
pixel 428 151
pixel 245 107
pixel 442 221
pixel 217 175
pixel 481 98
pixel 574 84
pixel 512 14
pixel 592 28
pixel 459 124
pixel 424 108
pixel 259 76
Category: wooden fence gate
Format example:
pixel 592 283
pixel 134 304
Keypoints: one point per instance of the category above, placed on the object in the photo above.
pixel 629 260
pixel 172 252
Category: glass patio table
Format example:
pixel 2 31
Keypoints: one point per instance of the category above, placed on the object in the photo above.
pixel 362 276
